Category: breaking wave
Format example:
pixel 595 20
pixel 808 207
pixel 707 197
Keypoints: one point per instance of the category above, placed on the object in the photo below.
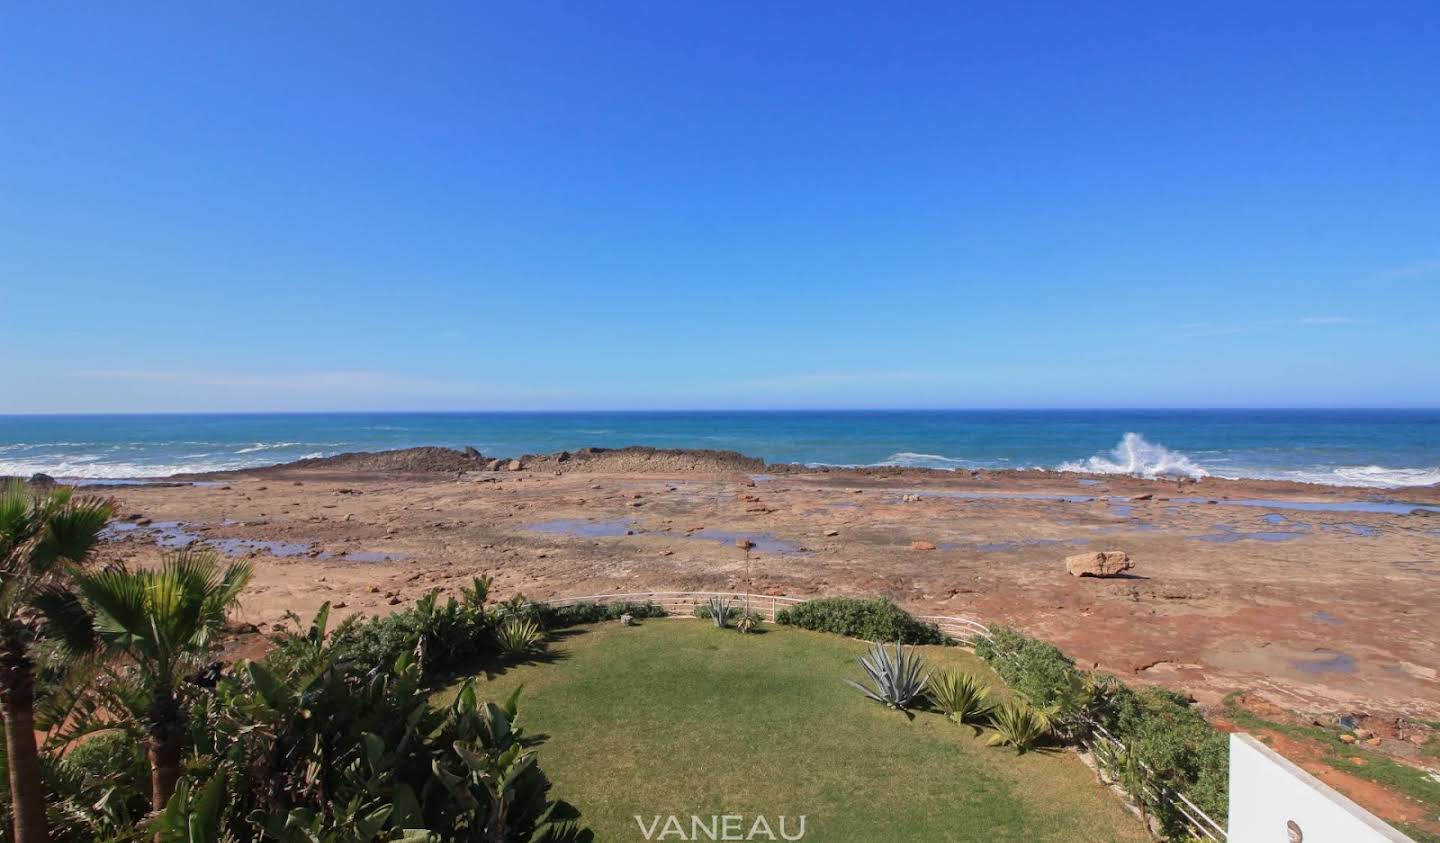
pixel 1141 458
pixel 86 470
pixel 1371 476
pixel 908 459
pixel 268 446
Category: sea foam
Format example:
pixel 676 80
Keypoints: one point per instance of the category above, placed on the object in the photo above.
pixel 1139 457
pixel 73 469
pixel 268 446
pixel 1371 476
pixel 910 459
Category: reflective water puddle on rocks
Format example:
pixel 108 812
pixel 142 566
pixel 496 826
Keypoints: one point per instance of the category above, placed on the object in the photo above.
pixel 173 535
pixel 764 542
pixel 586 528
pixel 1327 661
pixel 1375 507
pixel 1006 546
pixel 1353 529
pixel 370 556
pixel 1229 533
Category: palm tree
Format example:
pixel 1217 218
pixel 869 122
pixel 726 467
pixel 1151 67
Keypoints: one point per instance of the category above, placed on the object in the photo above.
pixel 44 538
pixel 160 621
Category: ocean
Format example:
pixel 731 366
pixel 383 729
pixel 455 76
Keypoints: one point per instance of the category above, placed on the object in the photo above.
pixel 1375 448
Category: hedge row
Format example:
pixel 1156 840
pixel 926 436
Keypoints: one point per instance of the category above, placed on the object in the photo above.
pixel 1183 752
pixel 575 614
pixel 871 620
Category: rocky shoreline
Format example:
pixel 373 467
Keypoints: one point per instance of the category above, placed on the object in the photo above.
pixel 1293 592
pixel 638 459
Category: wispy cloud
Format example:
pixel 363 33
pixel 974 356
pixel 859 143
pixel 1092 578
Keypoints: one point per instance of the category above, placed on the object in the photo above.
pixel 1411 271
pixel 1212 329
pixel 1207 329
pixel 817 380
pixel 328 383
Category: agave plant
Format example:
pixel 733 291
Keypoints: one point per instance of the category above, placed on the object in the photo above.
pixel 517 635
pixel 1017 724
pixel 896 678
pixel 719 611
pixel 959 696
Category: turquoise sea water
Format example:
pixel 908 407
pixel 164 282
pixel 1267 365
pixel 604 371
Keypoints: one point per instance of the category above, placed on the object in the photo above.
pixel 1379 448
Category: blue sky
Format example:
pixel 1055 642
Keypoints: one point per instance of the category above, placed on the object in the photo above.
pixel 316 206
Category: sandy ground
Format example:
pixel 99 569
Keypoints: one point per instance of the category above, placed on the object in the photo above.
pixel 1320 612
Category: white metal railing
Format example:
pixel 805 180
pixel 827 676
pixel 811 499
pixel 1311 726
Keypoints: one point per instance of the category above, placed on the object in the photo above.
pixel 1201 825
pixel 962 629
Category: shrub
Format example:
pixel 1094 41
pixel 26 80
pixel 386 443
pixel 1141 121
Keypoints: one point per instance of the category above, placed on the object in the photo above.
pixel 1162 730
pixel 105 775
pixel 115 756
pixel 1017 724
pixel 445 636
pixel 331 736
pixel 575 614
pixel 518 606
pixel 1181 749
pixel 959 696
pixel 870 620
pixel 895 679
pixel 1034 668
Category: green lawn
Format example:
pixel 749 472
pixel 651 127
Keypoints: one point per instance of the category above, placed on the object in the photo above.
pixel 677 717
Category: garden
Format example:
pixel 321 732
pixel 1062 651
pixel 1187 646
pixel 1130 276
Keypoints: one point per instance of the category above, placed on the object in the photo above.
pixel 674 717
pixel 464 719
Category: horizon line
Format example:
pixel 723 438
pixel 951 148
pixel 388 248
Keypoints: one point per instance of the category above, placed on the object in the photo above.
pixel 571 411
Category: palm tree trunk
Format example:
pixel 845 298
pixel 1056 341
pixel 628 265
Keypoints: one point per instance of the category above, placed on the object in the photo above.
pixel 164 770
pixel 164 724
pixel 17 704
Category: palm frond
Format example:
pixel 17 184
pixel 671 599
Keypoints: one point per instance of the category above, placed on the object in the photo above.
pixel 67 620
pixel 72 530
pixel 181 593
pixel 15 511
pixel 226 595
pixel 118 600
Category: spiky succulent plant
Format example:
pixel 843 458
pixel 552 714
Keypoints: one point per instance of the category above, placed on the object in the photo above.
pixel 517 635
pixel 1017 724
pixel 959 696
pixel 720 611
pixel 897 677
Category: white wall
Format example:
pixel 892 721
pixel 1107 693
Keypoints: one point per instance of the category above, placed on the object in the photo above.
pixel 1268 793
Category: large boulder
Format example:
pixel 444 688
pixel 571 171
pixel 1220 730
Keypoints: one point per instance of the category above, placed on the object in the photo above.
pixel 1105 563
